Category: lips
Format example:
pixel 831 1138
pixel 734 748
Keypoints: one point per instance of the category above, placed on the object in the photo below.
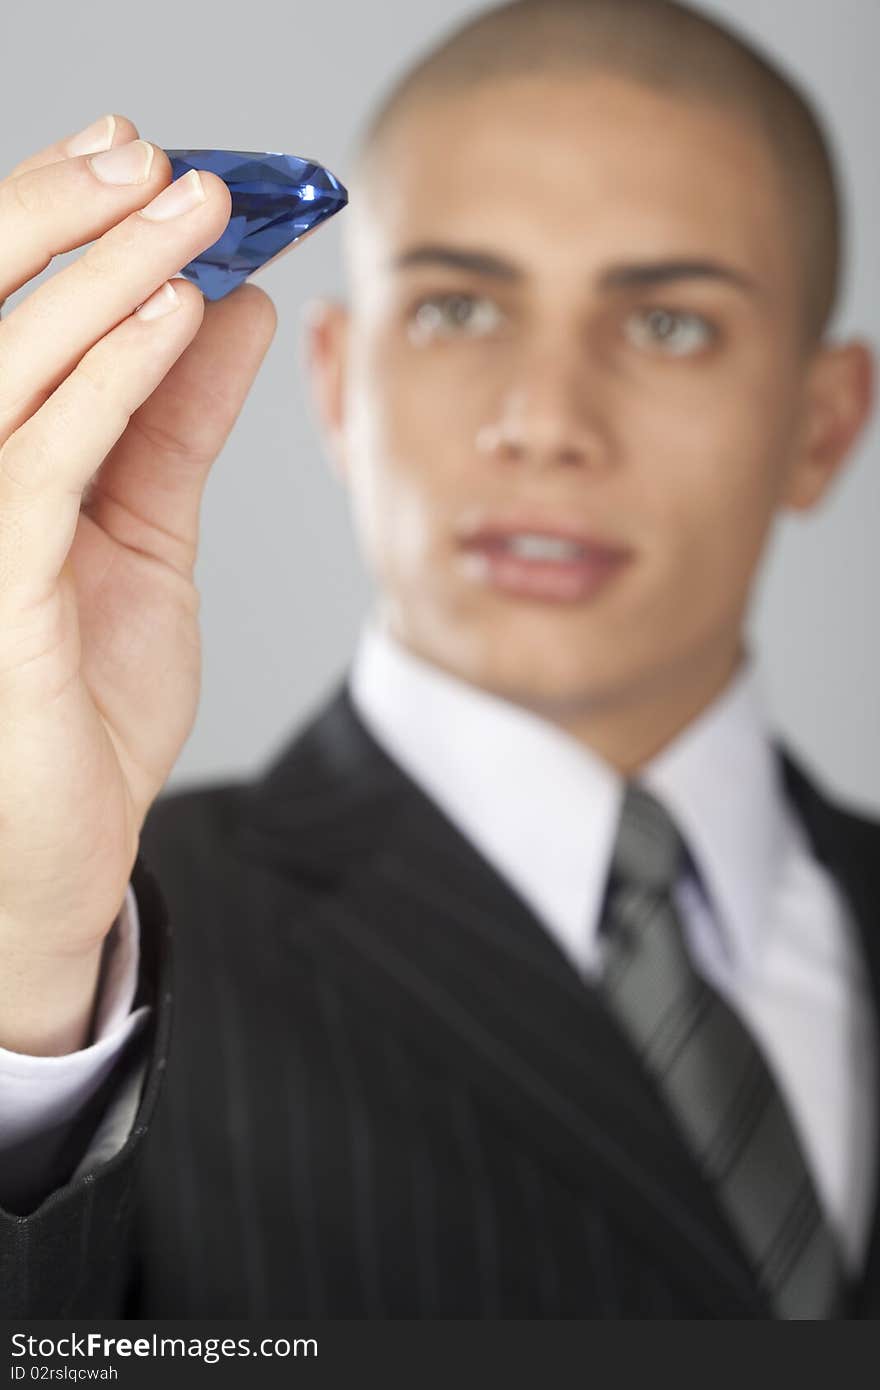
pixel 541 558
pixel 499 529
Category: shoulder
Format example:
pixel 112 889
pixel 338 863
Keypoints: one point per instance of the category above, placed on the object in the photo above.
pixel 856 828
pixel 844 833
pixel 202 831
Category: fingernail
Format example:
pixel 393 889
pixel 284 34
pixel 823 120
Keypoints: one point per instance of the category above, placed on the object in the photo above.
pixel 128 163
pixel 181 195
pixel 97 136
pixel 162 302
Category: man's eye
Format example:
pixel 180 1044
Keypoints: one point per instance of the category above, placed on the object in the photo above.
pixel 453 314
pixel 677 333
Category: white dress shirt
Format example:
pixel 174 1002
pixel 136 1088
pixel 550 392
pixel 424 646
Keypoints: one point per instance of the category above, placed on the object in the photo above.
pixel 38 1093
pixel 774 937
pixel 772 931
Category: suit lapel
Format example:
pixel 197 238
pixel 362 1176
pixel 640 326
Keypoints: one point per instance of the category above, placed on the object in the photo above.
pixel 418 926
pixel 849 847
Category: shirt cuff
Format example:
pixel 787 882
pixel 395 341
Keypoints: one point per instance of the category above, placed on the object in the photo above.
pixel 39 1093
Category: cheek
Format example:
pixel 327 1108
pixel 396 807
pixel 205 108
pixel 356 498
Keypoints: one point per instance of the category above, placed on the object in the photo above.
pixel 404 462
pixel 707 494
pixel 719 515
pixel 726 443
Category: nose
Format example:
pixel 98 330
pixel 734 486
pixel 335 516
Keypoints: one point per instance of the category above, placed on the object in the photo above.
pixel 545 418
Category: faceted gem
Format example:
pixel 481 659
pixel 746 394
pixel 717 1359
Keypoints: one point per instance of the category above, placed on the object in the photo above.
pixel 276 198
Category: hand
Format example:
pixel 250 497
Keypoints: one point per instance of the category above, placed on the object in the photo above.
pixel 108 427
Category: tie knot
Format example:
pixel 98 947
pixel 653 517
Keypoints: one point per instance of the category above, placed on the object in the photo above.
pixel 649 850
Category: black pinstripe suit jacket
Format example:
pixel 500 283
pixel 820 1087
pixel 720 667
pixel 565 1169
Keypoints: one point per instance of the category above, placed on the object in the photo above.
pixel 375 1086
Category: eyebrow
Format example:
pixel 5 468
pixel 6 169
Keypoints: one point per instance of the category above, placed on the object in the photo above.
pixel 621 275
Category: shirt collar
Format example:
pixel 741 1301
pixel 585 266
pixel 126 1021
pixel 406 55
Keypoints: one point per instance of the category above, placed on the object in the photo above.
pixel 722 781
pixel 543 809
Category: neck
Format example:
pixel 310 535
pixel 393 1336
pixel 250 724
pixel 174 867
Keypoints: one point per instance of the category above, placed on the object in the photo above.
pixel 628 729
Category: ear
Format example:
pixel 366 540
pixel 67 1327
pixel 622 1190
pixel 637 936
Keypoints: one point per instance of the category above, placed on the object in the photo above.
pixel 839 402
pixel 325 340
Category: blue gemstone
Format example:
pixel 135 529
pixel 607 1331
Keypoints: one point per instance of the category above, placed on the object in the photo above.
pixel 276 198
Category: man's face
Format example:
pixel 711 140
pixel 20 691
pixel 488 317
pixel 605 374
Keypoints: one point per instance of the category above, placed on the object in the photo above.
pixel 505 370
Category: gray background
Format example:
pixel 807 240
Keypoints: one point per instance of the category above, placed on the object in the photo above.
pixel 283 587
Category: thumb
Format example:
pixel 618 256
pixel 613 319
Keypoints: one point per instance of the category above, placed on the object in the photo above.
pixel 150 484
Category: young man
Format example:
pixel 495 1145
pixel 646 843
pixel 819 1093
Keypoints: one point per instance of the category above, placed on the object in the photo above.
pixel 534 978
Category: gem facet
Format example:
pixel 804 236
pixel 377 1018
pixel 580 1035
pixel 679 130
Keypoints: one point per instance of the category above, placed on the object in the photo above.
pixel 276 198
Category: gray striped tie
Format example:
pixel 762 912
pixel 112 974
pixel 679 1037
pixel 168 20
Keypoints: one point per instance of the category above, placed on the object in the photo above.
pixel 711 1072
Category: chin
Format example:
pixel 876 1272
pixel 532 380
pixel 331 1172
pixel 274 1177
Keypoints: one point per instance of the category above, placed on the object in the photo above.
pixel 558 697
pixel 542 656
pixel 548 675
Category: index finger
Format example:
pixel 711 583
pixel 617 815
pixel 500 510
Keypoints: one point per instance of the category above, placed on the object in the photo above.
pixel 100 135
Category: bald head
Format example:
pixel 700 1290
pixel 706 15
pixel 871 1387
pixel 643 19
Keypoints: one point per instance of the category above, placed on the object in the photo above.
pixel 670 48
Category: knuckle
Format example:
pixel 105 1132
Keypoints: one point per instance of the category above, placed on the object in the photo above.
pixel 30 195
pixel 111 255
pixel 25 466
pixel 165 440
pixel 32 458
pixel 91 378
pixel 98 265
pixel 14 198
pixel 87 405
